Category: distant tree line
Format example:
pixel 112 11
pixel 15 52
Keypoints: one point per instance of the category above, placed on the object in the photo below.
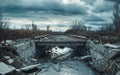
pixel 12 34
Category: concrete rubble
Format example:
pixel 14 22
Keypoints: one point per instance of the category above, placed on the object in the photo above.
pixel 5 69
pixel 105 57
pixel 13 60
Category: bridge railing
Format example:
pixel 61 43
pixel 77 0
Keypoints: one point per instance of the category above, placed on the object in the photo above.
pixel 41 36
pixel 78 36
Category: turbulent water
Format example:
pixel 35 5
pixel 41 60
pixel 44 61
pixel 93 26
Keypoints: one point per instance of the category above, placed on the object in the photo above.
pixel 65 67
pixel 56 51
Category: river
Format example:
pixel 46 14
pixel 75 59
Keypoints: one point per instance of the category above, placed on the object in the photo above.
pixel 64 67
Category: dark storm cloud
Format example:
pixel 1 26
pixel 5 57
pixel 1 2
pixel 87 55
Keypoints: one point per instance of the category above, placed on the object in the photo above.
pixel 30 16
pixel 6 2
pixel 118 1
pixel 51 7
pixel 97 23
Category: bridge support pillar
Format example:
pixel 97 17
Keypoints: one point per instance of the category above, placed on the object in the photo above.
pixel 41 51
pixel 80 51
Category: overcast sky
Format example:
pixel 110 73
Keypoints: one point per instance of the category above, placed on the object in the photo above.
pixel 59 14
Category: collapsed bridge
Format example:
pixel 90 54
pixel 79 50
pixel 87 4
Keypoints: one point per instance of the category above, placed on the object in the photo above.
pixel 45 42
pixel 60 40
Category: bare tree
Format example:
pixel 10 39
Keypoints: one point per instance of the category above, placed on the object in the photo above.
pixel 27 27
pixel 107 27
pixel 34 27
pixel 116 18
pixel 78 25
pixel 3 24
pixel 1 19
pixel 3 27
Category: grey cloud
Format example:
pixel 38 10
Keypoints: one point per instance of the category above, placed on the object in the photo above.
pixel 97 23
pixel 63 25
pixel 33 17
pixel 76 9
pixel 54 10
pixel 51 7
pixel 43 18
pixel 93 18
pixel 103 7
pixel 89 2
pixel 7 2
pixel 16 15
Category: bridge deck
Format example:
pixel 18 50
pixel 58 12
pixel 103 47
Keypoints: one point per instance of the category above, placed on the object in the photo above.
pixel 60 40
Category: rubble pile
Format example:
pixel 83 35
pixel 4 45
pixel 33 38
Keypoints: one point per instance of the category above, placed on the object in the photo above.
pixel 9 56
pixel 105 57
pixel 9 59
pixel 11 63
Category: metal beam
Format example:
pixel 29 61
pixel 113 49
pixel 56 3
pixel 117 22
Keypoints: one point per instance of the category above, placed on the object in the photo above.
pixel 60 43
